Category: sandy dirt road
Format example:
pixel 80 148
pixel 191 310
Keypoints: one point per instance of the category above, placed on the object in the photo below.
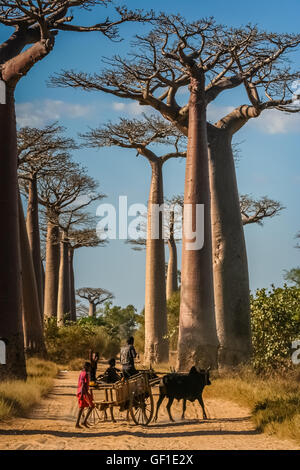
pixel 51 426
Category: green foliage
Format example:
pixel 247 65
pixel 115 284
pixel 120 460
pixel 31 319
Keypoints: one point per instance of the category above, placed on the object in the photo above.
pixel 119 322
pixel 103 333
pixel 173 308
pixel 74 340
pixel 275 321
pixel 139 337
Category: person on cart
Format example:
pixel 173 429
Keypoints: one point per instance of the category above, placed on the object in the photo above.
pixel 111 375
pixel 94 358
pixel 84 395
pixel 127 357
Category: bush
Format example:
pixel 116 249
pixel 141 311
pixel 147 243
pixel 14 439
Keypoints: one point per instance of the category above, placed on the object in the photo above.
pixel 275 322
pixel 76 339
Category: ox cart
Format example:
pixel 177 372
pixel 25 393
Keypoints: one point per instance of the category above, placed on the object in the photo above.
pixel 133 395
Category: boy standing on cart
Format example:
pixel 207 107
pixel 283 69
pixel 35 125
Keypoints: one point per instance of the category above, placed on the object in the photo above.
pixel 127 357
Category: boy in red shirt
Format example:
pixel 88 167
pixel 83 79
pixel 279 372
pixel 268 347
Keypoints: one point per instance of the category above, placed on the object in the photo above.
pixel 84 395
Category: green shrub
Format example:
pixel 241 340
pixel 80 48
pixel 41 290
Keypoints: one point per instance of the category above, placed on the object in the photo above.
pixel 275 322
pixel 76 339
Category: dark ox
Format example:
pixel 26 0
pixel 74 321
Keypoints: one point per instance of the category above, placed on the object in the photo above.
pixel 183 387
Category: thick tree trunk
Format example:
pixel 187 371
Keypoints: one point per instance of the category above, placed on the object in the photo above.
pixel 197 341
pixel 33 230
pixel 51 271
pixel 156 345
pixel 72 284
pixel 63 298
pixel 92 310
pixel 32 321
pixel 43 284
pixel 231 282
pixel 172 282
pixel 11 329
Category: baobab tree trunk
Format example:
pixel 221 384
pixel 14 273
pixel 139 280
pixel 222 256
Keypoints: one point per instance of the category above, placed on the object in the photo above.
pixel 63 298
pixel 92 310
pixel 156 343
pixel 32 321
pixel 197 341
pixel 72 284
pixel 33 230
pixel 11 328
pixel 51 271
pixel 231 282
pixel 172 283
pixel 43 285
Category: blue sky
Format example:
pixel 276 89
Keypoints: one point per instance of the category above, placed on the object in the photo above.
pixel 269 162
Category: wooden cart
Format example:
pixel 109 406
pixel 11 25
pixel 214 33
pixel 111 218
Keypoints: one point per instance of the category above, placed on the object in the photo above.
pixel 133 395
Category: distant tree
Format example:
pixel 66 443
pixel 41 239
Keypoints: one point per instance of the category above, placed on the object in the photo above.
pixel 67 190
pixel 95 297
pixel 255 211
pixel 293 275
pixel 119 321
pixel 79 238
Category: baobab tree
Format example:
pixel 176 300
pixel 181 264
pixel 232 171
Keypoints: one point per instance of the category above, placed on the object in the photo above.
pixel 37 153
pixel 95 297
pixel 85 237
pixel 35 23
pixel 254 211
pixel 141 135
pixel 70 221
pixel 247 57
pixel 68 189
pixel 32 321
pixel 173 232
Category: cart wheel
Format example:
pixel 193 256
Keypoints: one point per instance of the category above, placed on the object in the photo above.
pixel 142 408
pixel 95 417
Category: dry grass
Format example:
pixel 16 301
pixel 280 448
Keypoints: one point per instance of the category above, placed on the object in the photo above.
pixel 274 400
pixel 18 397
pixel 75 364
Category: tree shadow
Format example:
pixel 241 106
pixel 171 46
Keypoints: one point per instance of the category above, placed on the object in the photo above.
pixel 88 434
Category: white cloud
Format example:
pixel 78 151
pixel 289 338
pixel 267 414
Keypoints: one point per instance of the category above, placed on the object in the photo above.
pixel 131 108
pixel 269 122
pixel 276 122
pixel 215 113
pixel 39 113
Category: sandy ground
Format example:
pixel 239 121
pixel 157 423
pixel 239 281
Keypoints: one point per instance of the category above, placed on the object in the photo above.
pixel 51 426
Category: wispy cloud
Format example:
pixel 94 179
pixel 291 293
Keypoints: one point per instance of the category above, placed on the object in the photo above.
pixel 269 122
pixel 132 108
pixel 276 122
pixel 39 113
